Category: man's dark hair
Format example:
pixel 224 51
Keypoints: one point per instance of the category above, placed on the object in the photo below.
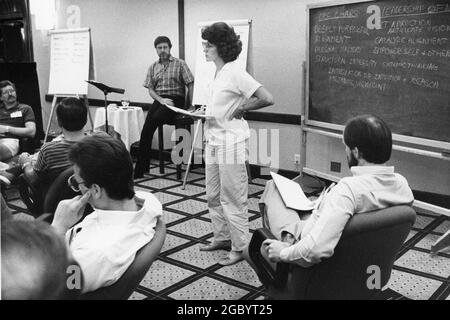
pixel 162 39
pixel 34 261
pixel 106 162
pixel 371 136
pixel 72 114
pixel 225 39
pixel 5 83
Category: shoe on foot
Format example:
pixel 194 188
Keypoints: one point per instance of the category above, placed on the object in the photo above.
pixel 232 258
pixel 217 245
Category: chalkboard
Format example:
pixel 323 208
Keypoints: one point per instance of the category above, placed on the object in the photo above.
pixel 71 61
pixel 389 58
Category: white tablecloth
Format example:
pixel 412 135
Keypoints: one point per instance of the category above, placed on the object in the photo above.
pixel 127 122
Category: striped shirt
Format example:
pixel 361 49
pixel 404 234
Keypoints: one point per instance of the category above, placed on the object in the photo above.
pixel 169 79
pixel 53 157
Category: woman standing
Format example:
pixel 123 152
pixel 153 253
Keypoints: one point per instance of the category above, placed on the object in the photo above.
pixel 231 93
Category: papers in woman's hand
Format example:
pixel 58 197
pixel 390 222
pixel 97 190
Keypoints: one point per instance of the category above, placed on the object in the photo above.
pixel 188 113
pixel 292 194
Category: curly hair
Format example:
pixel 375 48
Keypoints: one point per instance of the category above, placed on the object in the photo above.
pixel 225 39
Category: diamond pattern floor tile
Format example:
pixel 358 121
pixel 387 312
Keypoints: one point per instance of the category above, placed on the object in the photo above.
pixel 162 275
pixel 166 197
pixel 194 228
pixel 201 259
pixel 159 183
pixel 169 217
pixel 190 190
pixel 171 242
pixel 443 227
pixel 189 206
pixel 413 286
pixel 208 289
pixel 137 296
pixel 422 221
pixel 424 262
pixel 241 272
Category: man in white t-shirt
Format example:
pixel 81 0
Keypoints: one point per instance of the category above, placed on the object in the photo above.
pixel 106 241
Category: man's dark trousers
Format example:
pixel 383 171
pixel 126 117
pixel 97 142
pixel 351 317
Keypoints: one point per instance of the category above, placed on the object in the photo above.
pixel 157 115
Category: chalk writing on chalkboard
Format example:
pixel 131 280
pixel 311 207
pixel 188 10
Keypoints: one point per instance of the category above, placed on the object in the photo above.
pixel 389 58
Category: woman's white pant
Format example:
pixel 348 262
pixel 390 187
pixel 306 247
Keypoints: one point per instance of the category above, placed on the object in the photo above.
pixel 227 193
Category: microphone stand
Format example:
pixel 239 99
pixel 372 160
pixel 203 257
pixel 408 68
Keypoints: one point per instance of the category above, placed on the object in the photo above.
pixel 106 90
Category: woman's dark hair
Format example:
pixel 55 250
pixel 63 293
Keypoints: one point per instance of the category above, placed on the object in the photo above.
pixel 106 162
pixel 225 39
pixel 162 39
pixel 371 136
pixel 72 114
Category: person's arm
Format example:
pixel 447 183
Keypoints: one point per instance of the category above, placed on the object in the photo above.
pixel 323 237
pixel 69 212
pixel 28 131
pixel 190 94
pixel 161 100
pixel 260 99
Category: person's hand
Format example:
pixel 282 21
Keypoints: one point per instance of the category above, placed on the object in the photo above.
pixel 273 248
pixel 238 113
pixel 168 102
pixel 24 158
pixel 2 129
pixel 70 212
pixel 199 112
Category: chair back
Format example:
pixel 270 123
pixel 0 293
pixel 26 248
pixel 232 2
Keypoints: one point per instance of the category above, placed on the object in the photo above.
pixel 362 260
pixel 124 287
pixel 58 190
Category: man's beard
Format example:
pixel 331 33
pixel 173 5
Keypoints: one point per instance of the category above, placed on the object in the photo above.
pixel 352 161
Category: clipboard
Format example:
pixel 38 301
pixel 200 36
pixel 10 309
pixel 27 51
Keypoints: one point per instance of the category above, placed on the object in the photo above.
pixel 188 113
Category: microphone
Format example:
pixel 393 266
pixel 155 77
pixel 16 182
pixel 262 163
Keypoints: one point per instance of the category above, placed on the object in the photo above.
pixel 105 88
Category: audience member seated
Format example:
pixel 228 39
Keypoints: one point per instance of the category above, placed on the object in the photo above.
pixel 373 186
pixel 35 261
pixel 105 242
pixel 16 121
pixel 42 168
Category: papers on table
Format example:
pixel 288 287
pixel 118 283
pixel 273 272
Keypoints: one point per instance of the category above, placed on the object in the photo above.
pixel 188 113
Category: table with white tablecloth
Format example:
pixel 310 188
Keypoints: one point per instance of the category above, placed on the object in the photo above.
pixel 127 122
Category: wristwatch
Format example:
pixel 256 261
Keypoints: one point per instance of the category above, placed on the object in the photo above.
pixel 7 129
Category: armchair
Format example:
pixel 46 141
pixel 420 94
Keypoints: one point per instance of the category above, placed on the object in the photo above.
pixel 369 239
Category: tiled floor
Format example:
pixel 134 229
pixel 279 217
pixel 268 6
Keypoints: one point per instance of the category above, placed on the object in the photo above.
pixel 184 272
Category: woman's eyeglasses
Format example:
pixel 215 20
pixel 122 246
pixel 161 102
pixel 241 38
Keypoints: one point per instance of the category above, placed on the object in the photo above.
pixel 207 45
pixel 74 184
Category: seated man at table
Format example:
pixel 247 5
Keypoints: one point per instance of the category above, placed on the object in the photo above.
pixel 166 82
pixel 16 121
pixel 105 242
pixel 373 186
pixel 52 158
